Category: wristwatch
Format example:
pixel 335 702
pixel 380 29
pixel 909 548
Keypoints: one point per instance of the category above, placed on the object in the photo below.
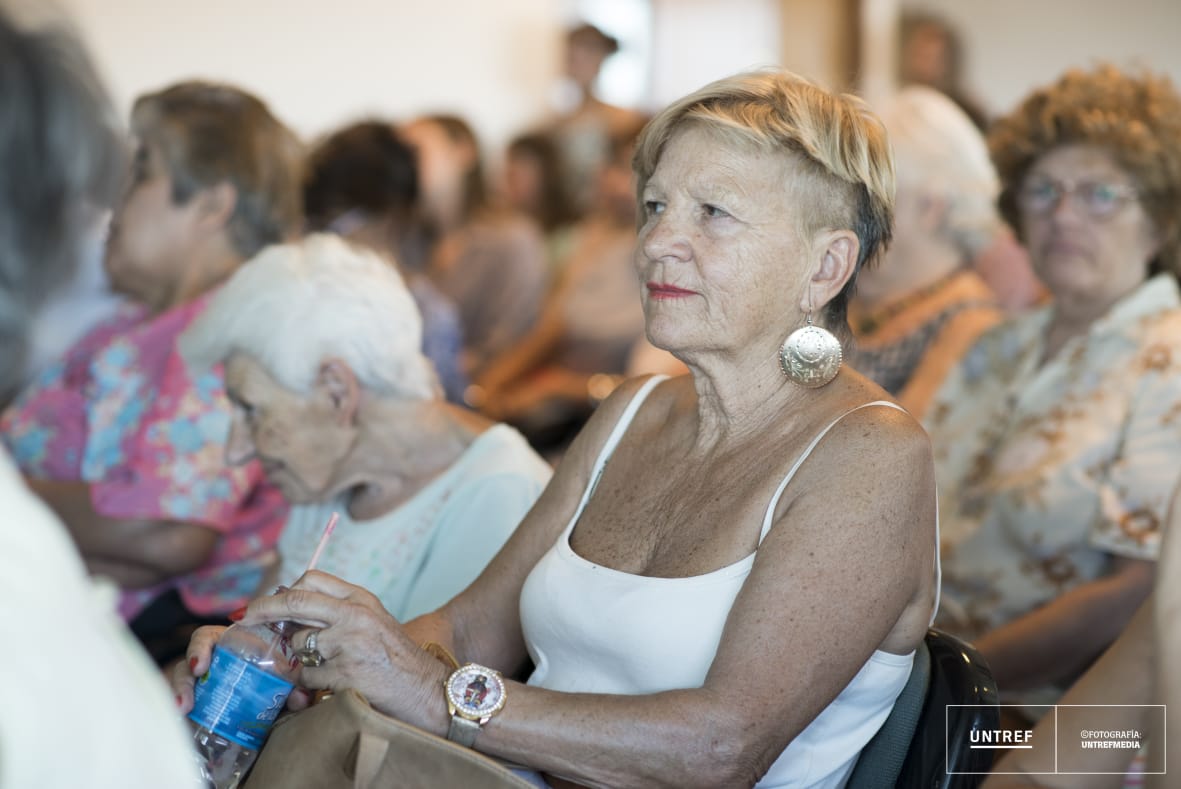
pixel 474 694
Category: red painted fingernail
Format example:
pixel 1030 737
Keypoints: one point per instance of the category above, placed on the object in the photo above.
pixel 238 614
pixel 192 665
pixel 179 700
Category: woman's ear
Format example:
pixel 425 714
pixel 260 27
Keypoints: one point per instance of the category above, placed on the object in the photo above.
pixel 216 205
pixel 337 385
pixel 837 251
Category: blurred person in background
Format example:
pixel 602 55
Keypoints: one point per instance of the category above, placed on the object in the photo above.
pixel 118 438
pixel 916 314
pixel 586 124
pixel 534 184
pixel 931 53
pixel 1057 439
pixel 61 157
pixel 321 343
pixel 1135 682
pixel 361 182
pixel 549 382
pixel 491 261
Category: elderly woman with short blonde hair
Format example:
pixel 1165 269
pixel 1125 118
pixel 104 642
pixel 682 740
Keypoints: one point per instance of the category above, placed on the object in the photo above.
pixel 725 581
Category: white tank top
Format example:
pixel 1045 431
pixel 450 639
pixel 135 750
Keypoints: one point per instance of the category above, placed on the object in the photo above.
pixel 591 629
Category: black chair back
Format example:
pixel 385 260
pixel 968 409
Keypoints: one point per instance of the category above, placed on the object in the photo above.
pixel 924 744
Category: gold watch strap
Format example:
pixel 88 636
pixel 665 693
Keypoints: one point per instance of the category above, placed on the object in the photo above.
pixel 463 731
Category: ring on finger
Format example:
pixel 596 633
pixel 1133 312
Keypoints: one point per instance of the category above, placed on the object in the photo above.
pixel 310 656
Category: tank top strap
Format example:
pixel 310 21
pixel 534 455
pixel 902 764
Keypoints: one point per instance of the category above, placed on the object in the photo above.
pixel 625 420
pixel 770 514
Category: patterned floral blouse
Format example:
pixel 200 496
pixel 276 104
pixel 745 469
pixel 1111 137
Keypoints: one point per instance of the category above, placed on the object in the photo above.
pixel 1046 473
pixel 122 413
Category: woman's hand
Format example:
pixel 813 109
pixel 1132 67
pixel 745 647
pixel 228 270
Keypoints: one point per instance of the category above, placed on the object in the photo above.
pixel 196 662
pixel 363 647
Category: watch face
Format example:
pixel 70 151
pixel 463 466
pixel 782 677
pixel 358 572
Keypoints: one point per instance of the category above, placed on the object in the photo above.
pixel 475 691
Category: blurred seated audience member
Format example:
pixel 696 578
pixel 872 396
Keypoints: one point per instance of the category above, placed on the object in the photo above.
pixel 916 314
pixel 118 438
pixel 73 309
pixel 585 124
pixel 489 260
pixel 1123 681
pixel 549 382
pixel 1057 441
pixel 361 182
pixel 534 184
pixel 323 363
pixel 60 153
pixel 1130 681
pixel 931 53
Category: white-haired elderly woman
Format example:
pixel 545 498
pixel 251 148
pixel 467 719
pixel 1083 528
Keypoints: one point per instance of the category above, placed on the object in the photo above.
pixel 321 344
pixel 725 581
pixel 917 313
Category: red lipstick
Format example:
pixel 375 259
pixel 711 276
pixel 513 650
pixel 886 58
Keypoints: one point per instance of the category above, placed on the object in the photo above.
pixel 663 290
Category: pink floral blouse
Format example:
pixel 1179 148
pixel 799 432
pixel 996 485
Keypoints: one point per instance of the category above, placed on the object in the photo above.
pixel 123 413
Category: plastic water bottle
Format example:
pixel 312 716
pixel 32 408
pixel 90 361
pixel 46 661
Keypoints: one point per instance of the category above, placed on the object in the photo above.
pixel 252 673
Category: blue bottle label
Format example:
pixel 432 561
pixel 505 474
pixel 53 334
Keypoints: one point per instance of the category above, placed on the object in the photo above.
pixel 238 700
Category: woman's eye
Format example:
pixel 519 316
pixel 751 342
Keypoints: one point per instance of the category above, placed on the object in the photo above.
pixel 713 211
pixel 653 207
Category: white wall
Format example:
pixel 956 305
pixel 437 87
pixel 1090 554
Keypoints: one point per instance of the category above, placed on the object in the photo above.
pixel 323 62
pixel 1015 45
pixel 697 41
pixel 319 63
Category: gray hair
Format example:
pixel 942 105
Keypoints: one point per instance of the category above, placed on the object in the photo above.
pixel 938 149
pixel 61 157
pixel 296 305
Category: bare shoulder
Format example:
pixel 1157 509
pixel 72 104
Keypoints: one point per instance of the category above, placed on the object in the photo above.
pixel 871 429
pixel 874 458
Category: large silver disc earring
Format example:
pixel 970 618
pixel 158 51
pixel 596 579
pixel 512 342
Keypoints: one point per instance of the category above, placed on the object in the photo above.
pixel 810 356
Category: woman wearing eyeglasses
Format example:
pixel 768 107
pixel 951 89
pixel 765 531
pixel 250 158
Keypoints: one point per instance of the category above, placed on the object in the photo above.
pixel 1058 438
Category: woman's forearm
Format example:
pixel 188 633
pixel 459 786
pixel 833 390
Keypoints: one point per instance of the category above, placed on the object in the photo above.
pixel 683 738
pixel 128 575
pixel 166 547
pixel 1056 642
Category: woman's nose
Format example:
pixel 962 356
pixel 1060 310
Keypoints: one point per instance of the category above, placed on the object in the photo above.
pixel 665 238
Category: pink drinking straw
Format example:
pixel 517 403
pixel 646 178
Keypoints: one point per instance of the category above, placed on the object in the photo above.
pixel 323 540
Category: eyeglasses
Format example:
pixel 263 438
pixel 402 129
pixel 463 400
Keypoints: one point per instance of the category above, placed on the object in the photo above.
pixel 1043 195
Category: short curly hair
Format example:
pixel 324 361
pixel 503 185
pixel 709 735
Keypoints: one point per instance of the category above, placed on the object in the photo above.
pixel 1137 118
